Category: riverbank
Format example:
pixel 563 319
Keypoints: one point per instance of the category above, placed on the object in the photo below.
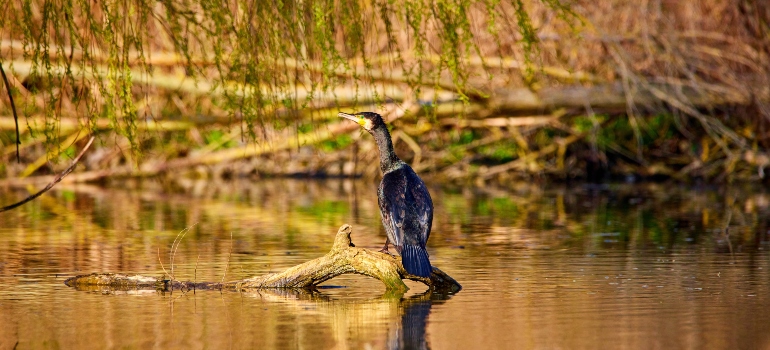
pixel 595 92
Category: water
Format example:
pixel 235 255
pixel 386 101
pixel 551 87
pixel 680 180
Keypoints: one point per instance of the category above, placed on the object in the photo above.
pixel 637 267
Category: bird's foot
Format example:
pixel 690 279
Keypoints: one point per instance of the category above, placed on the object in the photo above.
pixel 385 249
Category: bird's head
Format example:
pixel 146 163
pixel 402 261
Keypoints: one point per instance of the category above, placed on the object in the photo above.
pixel 368 120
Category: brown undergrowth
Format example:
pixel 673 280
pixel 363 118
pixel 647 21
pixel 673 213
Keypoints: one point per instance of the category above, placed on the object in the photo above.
pixel 592 90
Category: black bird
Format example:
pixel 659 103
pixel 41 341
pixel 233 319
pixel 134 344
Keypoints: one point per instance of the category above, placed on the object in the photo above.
pixel 405 204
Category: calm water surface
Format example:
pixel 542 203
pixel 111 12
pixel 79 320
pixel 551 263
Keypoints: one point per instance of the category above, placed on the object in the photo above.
pixel 584 267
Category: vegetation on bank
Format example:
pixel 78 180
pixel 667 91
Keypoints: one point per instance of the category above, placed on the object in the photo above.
pixel 476 90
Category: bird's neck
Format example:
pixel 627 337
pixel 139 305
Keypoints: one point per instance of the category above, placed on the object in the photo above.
pixel 388 158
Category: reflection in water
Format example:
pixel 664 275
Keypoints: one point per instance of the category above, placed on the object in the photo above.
pixel 414 321
pixel 630 266
pixel 413 325
pixel 405 319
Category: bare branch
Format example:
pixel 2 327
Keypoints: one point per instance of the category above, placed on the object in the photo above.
pixel 55 180
pixel 13 108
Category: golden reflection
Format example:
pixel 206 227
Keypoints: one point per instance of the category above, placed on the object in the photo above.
pixel 274 318
pixel 633 267
pixel 390 321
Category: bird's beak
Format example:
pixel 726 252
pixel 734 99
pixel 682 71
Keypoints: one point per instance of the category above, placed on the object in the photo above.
pixel 349 117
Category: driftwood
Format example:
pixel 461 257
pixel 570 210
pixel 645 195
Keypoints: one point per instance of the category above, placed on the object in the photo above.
pixel 344 258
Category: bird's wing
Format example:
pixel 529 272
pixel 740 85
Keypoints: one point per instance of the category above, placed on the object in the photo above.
pixel 423 205
pixel 392 200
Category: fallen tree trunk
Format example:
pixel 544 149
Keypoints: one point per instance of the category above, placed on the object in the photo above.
pixel 344 258
pixel 614 98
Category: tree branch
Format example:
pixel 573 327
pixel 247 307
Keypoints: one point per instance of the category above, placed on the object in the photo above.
pixel 13 108
pixel 55 180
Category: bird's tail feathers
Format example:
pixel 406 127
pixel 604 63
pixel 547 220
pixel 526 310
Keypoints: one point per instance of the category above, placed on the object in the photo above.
pixel 415 260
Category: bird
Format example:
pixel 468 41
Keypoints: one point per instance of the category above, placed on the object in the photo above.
pixel 405 204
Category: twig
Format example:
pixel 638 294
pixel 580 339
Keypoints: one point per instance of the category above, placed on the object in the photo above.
pixel 13 108
pixel 227 266
pixel 221 156
pixel 726 229
pixel 171 259
pixel 521 162
pixel 161 264
pixel 75 137
pixel 55 180
pixel 176 242
pixel 195 272
pixel 412 144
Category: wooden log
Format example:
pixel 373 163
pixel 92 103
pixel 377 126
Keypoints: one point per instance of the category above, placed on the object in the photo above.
pixel 612 97
pixel 344 258
pixel 68 124
pixel 342 95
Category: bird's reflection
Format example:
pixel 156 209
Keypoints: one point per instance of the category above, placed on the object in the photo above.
pixel 410 333
pixel 406 317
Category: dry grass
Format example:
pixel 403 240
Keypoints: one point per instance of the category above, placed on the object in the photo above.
pixel 665 48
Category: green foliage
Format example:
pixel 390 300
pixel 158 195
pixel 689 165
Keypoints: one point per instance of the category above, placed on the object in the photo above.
pixel 656 128
pixel 69 153
pixel 529 35
pixel 337 143
pixel 68 195
pixel 305 128
pixel 214 136
pixel 500 153
pixel 464 137
pixel 497 206
pixel 326 212
pixel 256 54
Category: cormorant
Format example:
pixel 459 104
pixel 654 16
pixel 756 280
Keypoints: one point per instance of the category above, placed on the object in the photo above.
pixel 405 204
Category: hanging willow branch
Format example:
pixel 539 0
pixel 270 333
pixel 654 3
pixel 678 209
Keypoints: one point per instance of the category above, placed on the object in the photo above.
pixel 265 51
pixel 13 108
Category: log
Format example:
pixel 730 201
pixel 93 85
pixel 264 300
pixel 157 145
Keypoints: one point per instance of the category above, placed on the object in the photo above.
pixel 342 95
pixel 344 258
pixel 612 97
